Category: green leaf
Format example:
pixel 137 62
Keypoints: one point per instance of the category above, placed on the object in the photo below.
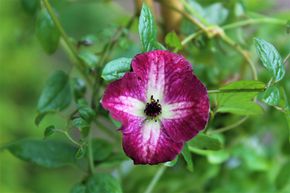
pixel 82 125
pixel 205 142
pixel 217 157
pixel 244 84
pixel 271 96
pixel 187 157
pixel 49 131
pixel 98 183
pixel 147 29
pixel 79 188
pixel 39 118
pixel 30 6
pixel 283 177
pixel 79 88
pixel 215 14
pixel 86 112
pixel 89 58
pixel 47 153
pixel 81 152
pixel 270 58
pixel 116 69
pixel 116 123
pixel 56 94
pixel 46 32
pixel 235 100
pixel 101 149
pixel 173 41
pixel 172 163
pixel 103 183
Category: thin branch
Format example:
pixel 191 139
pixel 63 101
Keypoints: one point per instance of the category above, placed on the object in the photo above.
pixel 185 14
pixel 223 129
pixel 244 53
pixel 80 65
pixel 155 179
pixel 254 21
pixel 90 153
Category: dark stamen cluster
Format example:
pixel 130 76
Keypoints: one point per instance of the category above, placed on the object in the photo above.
pixel 153 109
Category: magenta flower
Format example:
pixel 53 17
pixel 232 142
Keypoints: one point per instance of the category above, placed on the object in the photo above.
pixel 161 104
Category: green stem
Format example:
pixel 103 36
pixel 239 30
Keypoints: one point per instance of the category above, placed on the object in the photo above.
pixel 246 56
pixel 68 136
pixel 254 21
pixel 155 179
pixel 90 153
pixel 223 129
pixel 286 58
pixel 80 65
pixel 189 38
pixel 194 20
pixel 235 90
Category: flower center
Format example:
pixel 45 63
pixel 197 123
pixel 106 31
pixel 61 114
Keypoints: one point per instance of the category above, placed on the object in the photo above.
pixel 153 109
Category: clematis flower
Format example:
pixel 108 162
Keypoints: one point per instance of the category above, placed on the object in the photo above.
pixel 161 105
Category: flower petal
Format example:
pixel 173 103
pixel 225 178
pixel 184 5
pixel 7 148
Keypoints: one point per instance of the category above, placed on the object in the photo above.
pixel 186 111
pixel 147 143
pixel 158 69
pixel 125 98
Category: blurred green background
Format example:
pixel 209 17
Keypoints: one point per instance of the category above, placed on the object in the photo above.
pixel 254 152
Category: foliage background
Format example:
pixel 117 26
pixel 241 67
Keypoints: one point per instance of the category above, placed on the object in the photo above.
pixel 254 152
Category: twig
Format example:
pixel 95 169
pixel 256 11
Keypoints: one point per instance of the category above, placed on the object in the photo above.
pixel 244 53
pixel 155 179
pixel 79 64
pixel 254 21
pixel 223 129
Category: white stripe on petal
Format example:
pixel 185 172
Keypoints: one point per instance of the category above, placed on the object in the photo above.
pixel 176 110
pixel 130 105
pixel 156 82
pixel 150 136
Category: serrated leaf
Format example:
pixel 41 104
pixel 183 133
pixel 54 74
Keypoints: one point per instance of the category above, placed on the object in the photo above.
pixel 116 69
pixel 187 157
pixel 56 94
pixel 172 40
pixel 239 98
pixel 271 96
pixel 103 183
pixel 46 32
pixel 49 131
pixel 147 29
pixel 101 149
pixel 205 142
pixel 47 153
pixel 270 58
